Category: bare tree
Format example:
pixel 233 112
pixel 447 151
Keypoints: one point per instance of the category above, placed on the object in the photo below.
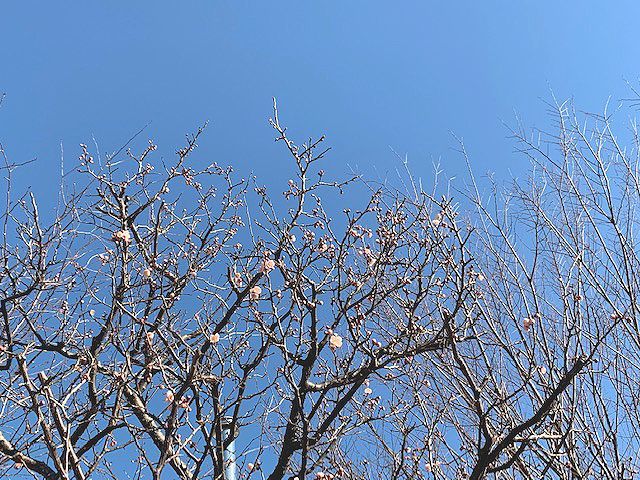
pixel 169 311
pixel 542 381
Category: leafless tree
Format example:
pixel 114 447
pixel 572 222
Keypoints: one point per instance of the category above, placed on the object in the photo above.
pixel 541 383
pixel 170 311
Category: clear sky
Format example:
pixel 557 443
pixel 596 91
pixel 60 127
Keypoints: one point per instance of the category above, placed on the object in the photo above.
pixel 372 75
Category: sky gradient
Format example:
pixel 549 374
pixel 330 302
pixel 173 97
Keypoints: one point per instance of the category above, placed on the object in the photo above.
pixel 371 75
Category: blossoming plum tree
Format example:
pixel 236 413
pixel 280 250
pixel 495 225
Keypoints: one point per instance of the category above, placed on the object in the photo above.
pixel 169 310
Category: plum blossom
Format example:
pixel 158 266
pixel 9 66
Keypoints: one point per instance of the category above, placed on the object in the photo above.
pixel 255 292
pixel 322 246
pixel 309 236
pixel 214 338
pixel 267 266
pixel 236 279
pixel 169 396
pixel 335 341
pixel 327 476
pixel 369 256
pixel 527 323
pixel 123 236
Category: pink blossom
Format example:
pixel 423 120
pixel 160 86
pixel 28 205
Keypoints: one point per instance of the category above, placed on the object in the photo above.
pixel 236 279
pixel 255 292
pixel 123 236
pixel 527 323
pixel 267 266
pixel 335 342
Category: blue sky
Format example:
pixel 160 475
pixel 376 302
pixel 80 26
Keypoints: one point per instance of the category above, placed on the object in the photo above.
pixel 369 74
